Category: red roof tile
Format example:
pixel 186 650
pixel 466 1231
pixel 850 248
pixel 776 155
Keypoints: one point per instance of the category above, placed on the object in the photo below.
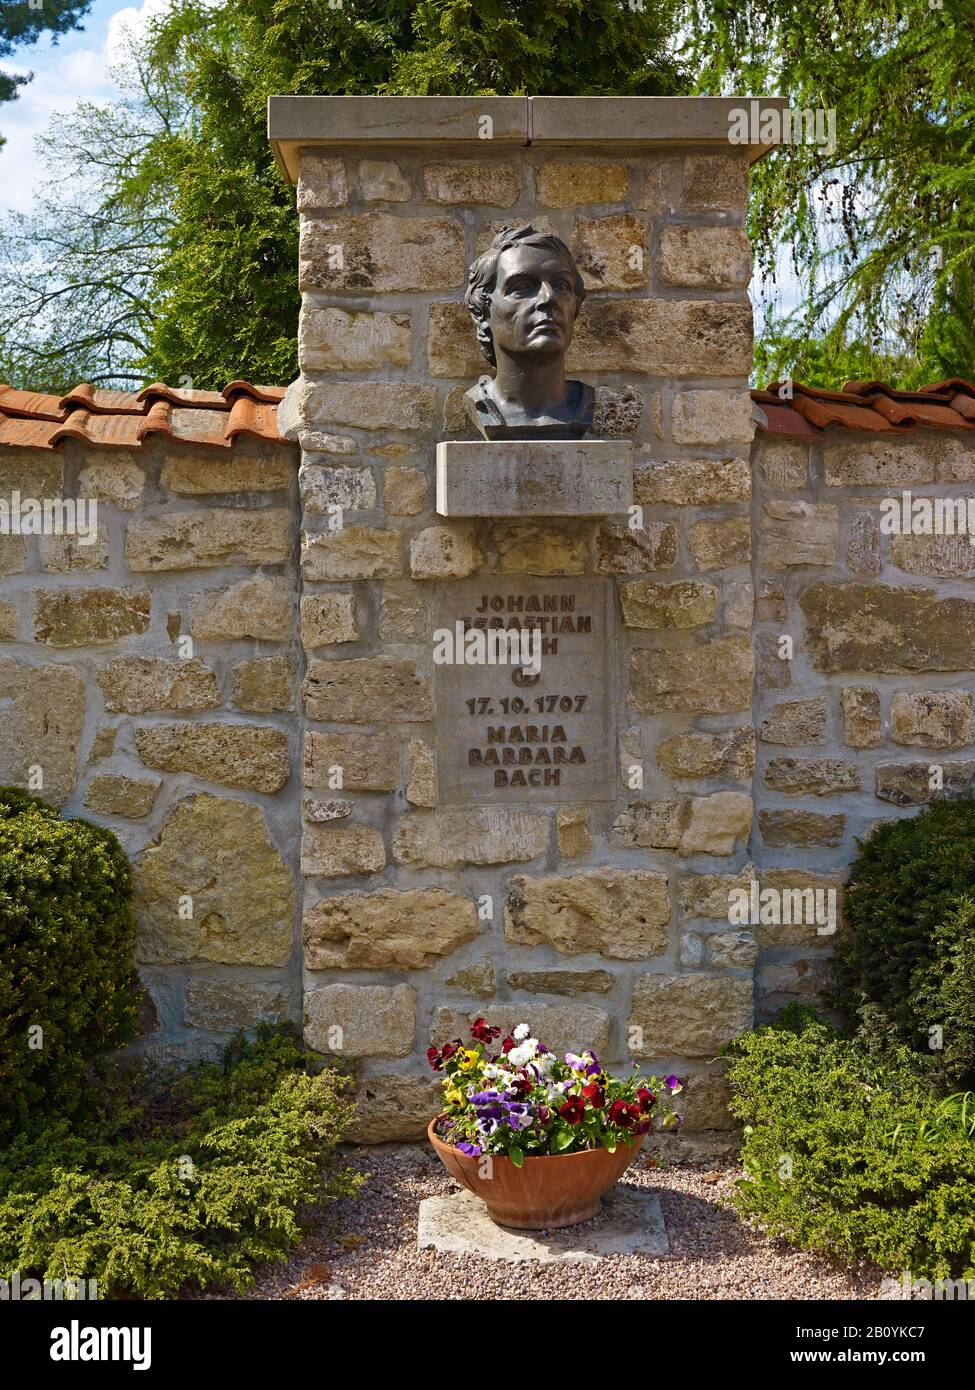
pixel 127 420
pixel 216 419
pixel 864 405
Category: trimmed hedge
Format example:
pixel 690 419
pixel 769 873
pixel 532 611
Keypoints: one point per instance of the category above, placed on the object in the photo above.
pixel 850 1152
pixel 68 987
pixel 177 1180
pixel 908 964
pixel 907 877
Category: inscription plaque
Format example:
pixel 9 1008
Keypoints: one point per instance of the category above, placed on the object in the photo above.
pixel 506 735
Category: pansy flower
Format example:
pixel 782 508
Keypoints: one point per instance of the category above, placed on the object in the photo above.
pixel 573 1110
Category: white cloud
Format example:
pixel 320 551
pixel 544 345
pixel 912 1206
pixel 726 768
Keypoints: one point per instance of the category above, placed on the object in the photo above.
pixel 78 68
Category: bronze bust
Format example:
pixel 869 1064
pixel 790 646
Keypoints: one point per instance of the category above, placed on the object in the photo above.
pixel 523 294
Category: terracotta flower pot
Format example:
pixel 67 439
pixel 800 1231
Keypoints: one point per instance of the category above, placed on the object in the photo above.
pixel 556 1190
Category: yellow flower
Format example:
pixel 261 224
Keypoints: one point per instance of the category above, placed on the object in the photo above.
pixel 453 1096
pixel 468 1058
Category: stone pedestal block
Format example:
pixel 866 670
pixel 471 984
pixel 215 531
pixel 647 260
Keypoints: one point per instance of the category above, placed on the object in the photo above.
pixel 551 477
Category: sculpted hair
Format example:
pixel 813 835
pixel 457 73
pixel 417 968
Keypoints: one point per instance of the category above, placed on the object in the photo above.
pixel 483 276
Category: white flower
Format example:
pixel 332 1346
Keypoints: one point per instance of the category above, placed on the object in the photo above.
pixel 525 1052
pixel 521 1032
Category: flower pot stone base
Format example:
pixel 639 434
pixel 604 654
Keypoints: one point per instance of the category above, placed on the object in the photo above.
pixel 629 1222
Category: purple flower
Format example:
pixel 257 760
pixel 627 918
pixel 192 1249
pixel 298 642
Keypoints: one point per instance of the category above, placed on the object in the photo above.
pixel 673 1083
pixel 576 1063
pixel 593 1069
pixel 472 1150
pixel 484 1097
pixel 519 1115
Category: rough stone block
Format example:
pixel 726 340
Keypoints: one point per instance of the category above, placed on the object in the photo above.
pixel 689 1015
pixel 204 540
pixel 374 405
pixel 482 835
pixel 932 718
pixel 132 797
pixel 259 609
pixel 324 487
pixel 89 617
pixel 617 913
pixel 873 627
pixel 137 684
pixel 684 604
pixel 374 690
pixel 472 182
pixel 721 544
pixel 663 337
pixel 354 552
pixel 338 851
pixel 730 753
pixel 811 776
pixel 327 619
pixel 566 183
pixel 330 339
pixel 264 685
pixel 693 482
pixel 42 713
pixel 364 762
pixel 361 1020
pixel 387 930
pixel 702 257
pixel 242 904
pixel 715 418
pixel 794 532
pixel 795 722
pixel 224 1006
pixel 236 755
pixel 189 474
pixel 378 253
pixel 709 678
pixel 444 552
pixel 612 253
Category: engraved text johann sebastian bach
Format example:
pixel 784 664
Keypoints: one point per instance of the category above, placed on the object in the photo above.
pixel 503 733
pixel 507 736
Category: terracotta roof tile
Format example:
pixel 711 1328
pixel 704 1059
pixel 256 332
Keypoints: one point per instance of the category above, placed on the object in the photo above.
pixel 871 406
pixel 128 420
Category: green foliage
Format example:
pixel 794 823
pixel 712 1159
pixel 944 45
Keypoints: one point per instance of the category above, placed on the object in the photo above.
pixel 66 940
pixel 904 884
pixel 226 298
pixel 943 993
pixel 854 1156
pixel 24 21
pixel 178 1179
pixel 880 230
pixel 828 361
pixel 177 259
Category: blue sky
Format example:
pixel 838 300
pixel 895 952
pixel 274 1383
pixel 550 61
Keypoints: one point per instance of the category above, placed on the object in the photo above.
pixel 77 68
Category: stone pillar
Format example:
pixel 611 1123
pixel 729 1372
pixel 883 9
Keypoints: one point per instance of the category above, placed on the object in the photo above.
pixel 597 911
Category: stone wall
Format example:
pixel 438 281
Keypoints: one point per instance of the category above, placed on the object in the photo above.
pixel 275 781
pixel 589 921
pixel 149 682
pixel 867 719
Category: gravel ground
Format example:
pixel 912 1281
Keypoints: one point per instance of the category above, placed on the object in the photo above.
pixel 366 1248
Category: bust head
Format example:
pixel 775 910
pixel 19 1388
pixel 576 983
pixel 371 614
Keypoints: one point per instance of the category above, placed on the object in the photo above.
pixel 523 294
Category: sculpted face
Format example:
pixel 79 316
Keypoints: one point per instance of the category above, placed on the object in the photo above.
pixel 533 306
